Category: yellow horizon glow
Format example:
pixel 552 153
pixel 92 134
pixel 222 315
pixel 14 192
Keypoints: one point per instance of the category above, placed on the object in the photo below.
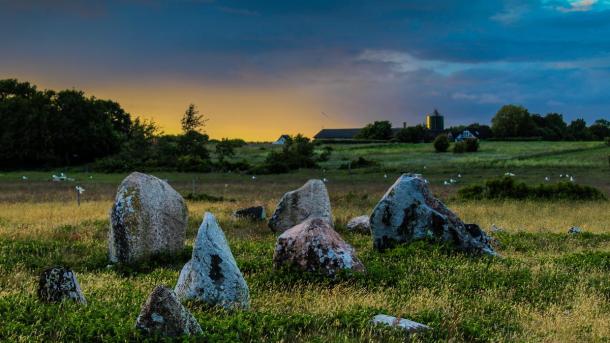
pixel 253 113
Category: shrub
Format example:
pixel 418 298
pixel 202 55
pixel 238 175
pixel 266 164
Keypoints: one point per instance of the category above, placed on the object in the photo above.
pixel 325 155
pixel 360 162
pixel 298 152
pixel 441 143
pixel 607 140
pixel 467 145
pixel 472 145
pixel 459 147
pixel 508 188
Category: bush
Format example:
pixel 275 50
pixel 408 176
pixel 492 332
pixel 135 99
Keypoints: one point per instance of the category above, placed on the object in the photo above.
pixel 298 152
pixel 472 145
pixel 360 162
pixel 607 140
pixel 508 188
pixel 441 143
pixel 459 147
pixel 467 145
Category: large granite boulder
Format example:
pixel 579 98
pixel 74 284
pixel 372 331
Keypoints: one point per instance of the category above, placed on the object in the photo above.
pixel 309 201
pixel 148 217
pixel 59 283
pixel 313 246
pixel 361 224
pixel 164 315
pixel 212 275
pixel 409 212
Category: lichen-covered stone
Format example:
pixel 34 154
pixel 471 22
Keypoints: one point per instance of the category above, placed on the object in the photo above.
pixel 361 224
pixel 252 213
pixel 164 315
pixel 212 275
pixel 59 283
pixel 409 212
pixel 313 246
pixel 309 201
pixel 148 217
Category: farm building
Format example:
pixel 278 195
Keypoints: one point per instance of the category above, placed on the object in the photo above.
pixel 282 140
pixel 342 134
pixel 466 134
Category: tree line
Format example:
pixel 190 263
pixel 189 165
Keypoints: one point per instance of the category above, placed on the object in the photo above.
pixel 45 128
pixel 511 122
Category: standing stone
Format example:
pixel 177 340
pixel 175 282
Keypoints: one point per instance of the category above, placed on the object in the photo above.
pixel 404 324
pixel 361 224
pixel 164 315
pixel 309 201
pixel 409 212
pixel 148 217
pixel 212 275
pixel 59 283
pixel 313 246
pixel 252 213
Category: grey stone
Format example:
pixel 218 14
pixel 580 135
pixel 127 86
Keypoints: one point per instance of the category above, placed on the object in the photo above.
pixel 252 213
pixel 212 275
pixel 574 230
pixel 148 217
pixel 164 315
pixel 309 201
pixel 313 246
pixel 409 212
pixel 361 224
pixel 59 283
pixel 405 324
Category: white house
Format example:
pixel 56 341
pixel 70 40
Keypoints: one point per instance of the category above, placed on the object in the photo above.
pixel 282 140
pixel 465 135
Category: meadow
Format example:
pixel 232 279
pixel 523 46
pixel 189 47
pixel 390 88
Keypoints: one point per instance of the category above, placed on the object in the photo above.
pixel 548 285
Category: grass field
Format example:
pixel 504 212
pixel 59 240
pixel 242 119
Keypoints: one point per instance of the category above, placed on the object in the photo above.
pixel 548 286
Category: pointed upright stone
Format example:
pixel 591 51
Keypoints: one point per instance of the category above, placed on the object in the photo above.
pixel 148 217
pixel 164 315
pixel 212 275
pixel 409 212
pixel 309 201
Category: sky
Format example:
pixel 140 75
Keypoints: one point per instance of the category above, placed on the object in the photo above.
pixel 258 69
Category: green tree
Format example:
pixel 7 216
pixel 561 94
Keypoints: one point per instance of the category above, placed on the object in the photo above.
pixel 225 149
pixel 513 121
pixel 578 130
pixel 381 130
pixel 192 120
pixel 600 129
pixel 412 134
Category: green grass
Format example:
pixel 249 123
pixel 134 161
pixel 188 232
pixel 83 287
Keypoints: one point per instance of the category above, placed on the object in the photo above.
pixel 548 285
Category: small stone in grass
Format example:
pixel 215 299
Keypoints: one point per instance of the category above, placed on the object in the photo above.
pixel 405 324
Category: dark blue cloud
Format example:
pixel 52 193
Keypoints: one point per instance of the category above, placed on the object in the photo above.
pixel 399 57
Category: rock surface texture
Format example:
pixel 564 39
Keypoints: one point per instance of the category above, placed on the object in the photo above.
pixel 148 217
pixel 59 283
pixel 361 224
pixel 164 315
pixel 212 275
pixel 309 201
pixel 409 212
pixel 313 246
pixel 252 213
pixel 405 324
